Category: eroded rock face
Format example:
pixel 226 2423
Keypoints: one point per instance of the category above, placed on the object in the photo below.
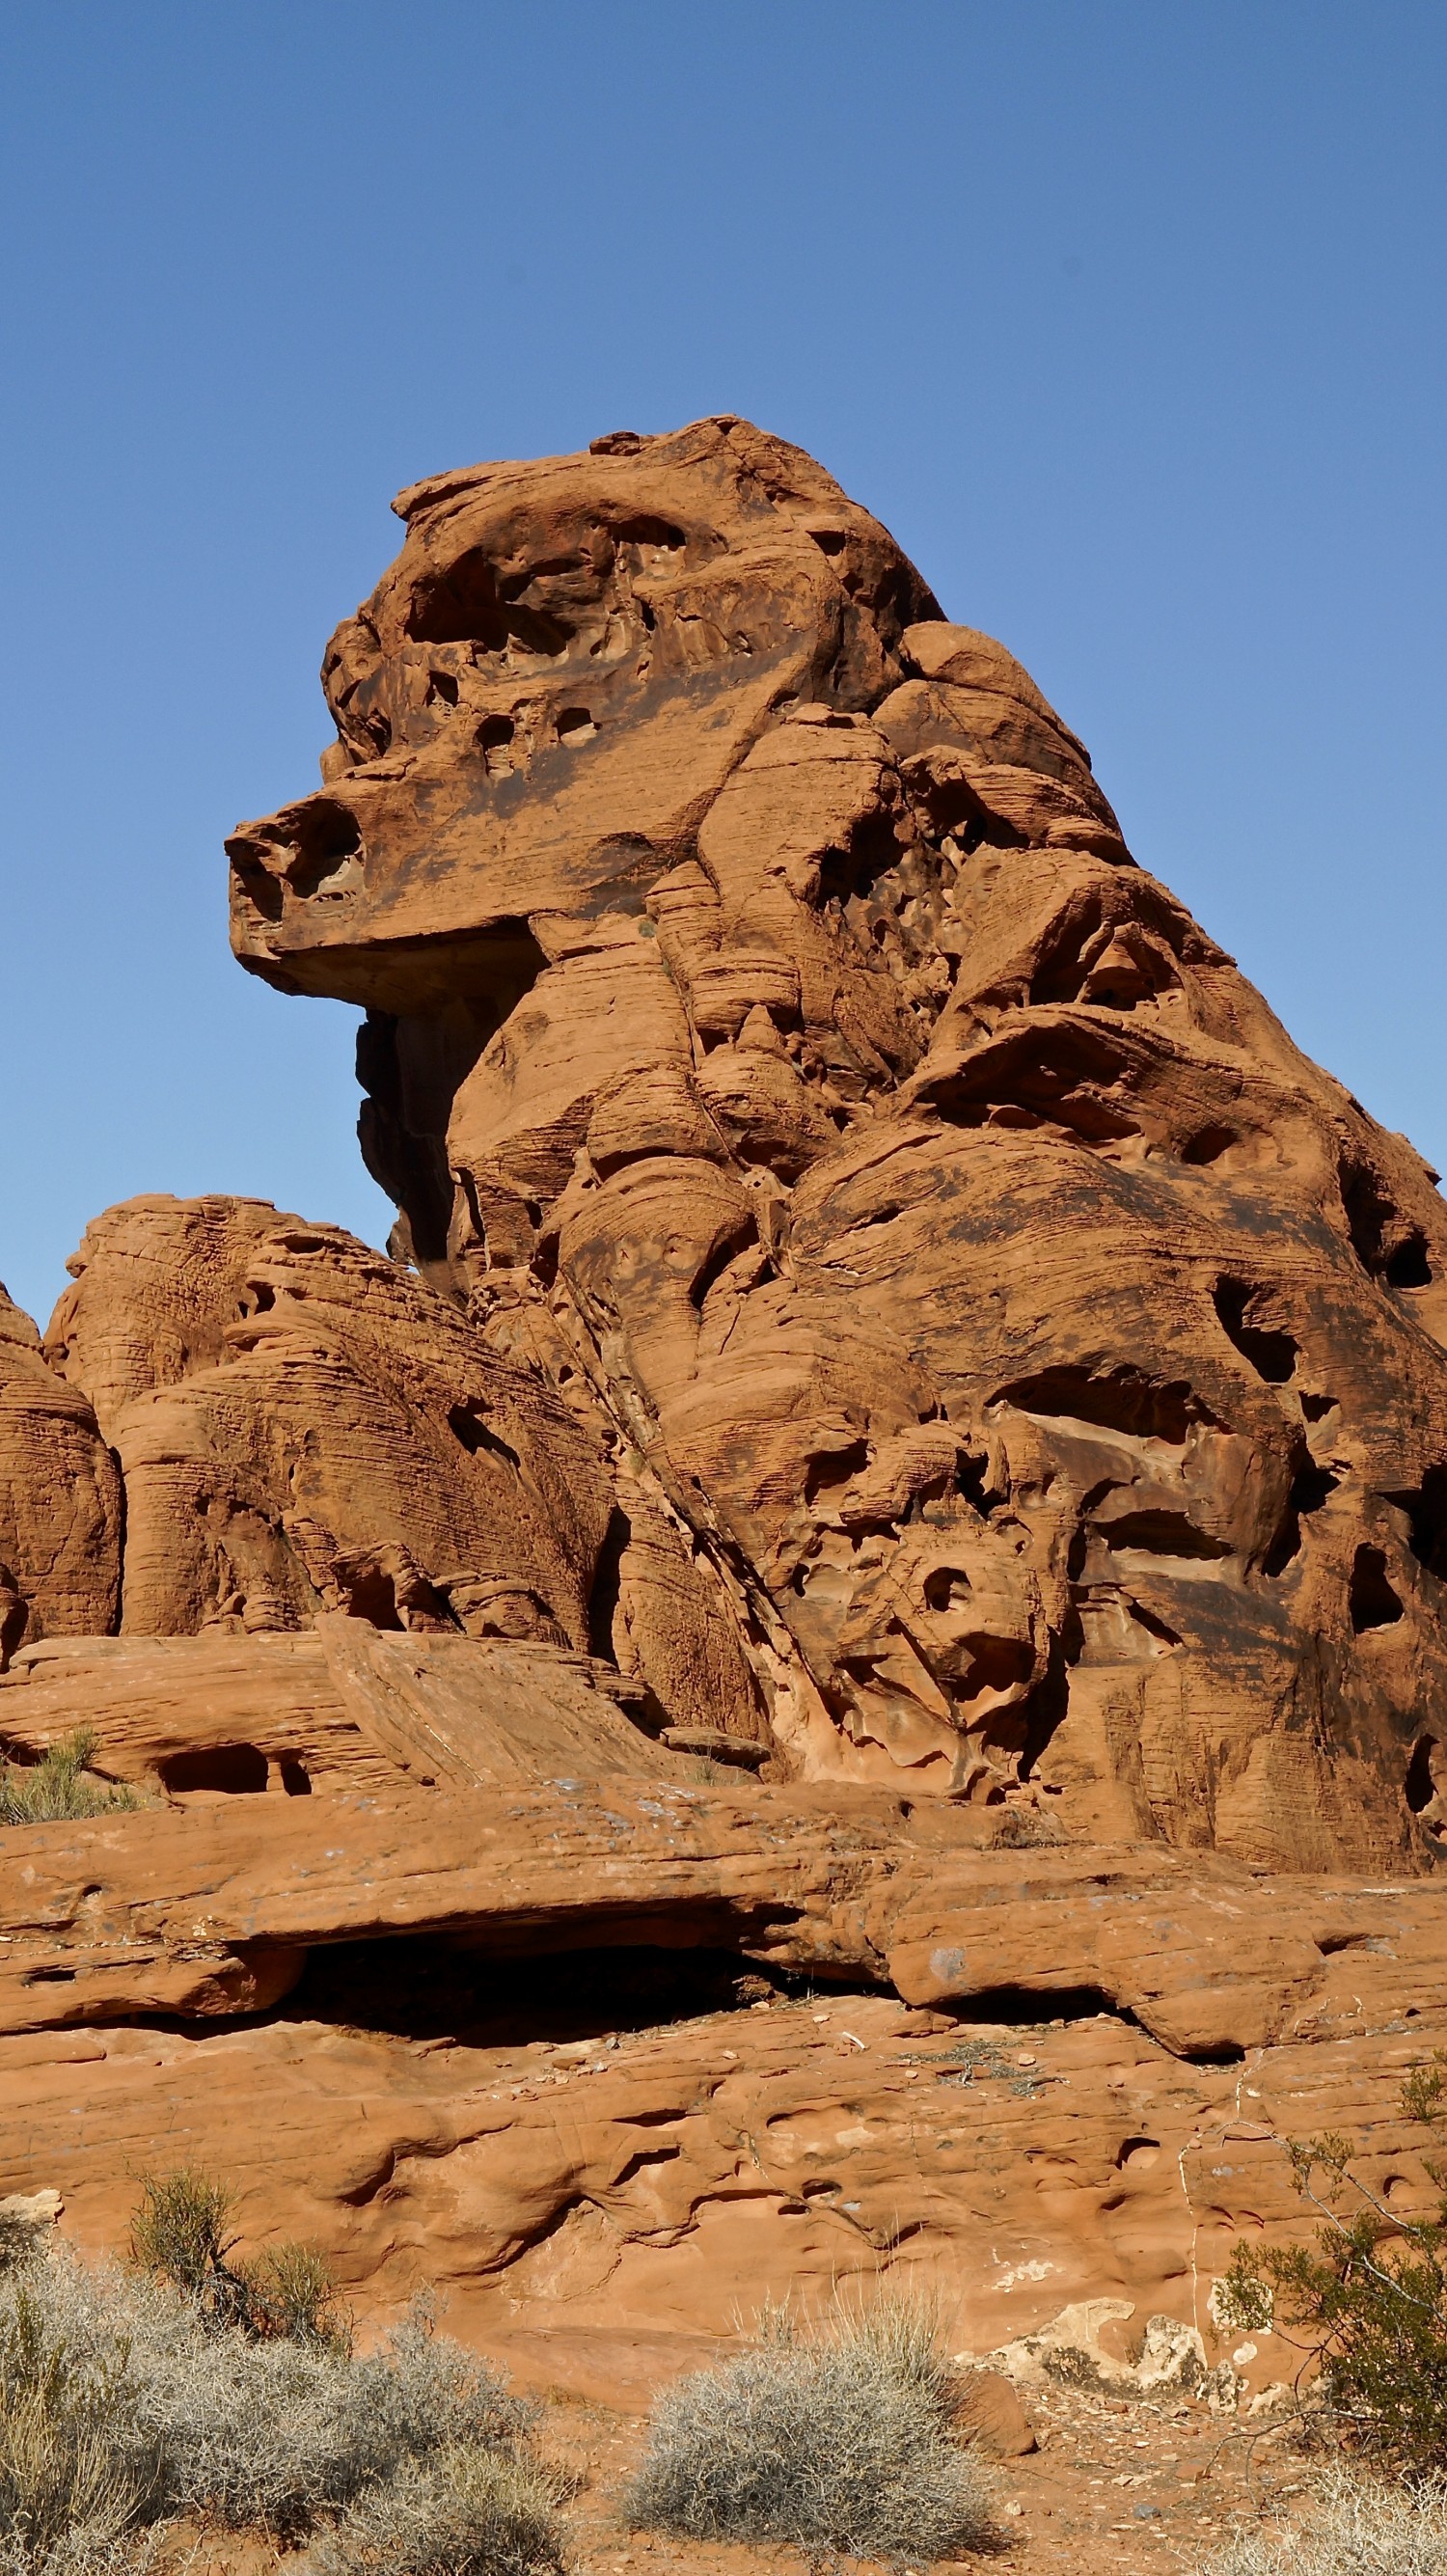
pixel 303 1426
pixel 881 1305
pixel 60 1499
pixel 1026 1362
pixel 601 2155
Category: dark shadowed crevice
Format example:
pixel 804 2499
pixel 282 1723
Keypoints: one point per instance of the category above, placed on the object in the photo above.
pixel 468 1426
pixel 737 1240
pixel 411 1065
pixel 1069 1075
pixel 1370 1597
pixel 1426 1508
pixel 1208 1145
pixel 1163 1533
pixel 1271 1351
pixel 1421 1786
pixel 606 1587
pixel 465 604
pixel 221 1770
pixel 1311 1486
pixel 1124 1400
pixel 1386 1245
pixel 1408 1266
pixel 1032 2008
pixel 426 1988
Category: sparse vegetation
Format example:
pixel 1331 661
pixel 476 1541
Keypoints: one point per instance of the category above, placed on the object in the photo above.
pixel 290 2292
pixel 60 1786
pixel 128 2399
pixel 181 2233
pixel 464 2512
pixel 1356 2529
pixel 1368 2302
pixel 831 2440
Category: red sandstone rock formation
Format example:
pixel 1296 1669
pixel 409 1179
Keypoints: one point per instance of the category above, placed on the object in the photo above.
pixel 878 1302
pixel 772 1044
pixel 60 1500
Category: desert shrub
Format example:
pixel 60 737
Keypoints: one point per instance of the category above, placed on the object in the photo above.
pixel 1355 2529
pixel 1367 2302
pixel 463 2512
pixel 59 1786
pixel 71 2492
pixel 125 2404
pixel 290 2293
pixel 181 2233
pixel 838 2440
pixel 19 2239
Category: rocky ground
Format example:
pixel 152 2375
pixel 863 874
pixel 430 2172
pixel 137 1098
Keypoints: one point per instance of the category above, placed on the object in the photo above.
pixel 1128 2486
pixel 1131 2487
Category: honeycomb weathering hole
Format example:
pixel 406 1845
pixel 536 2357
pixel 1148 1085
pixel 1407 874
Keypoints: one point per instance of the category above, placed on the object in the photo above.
pixel 1408 1266
pixel 1371 1599
pixel 1123 1401
pixel 1271 1351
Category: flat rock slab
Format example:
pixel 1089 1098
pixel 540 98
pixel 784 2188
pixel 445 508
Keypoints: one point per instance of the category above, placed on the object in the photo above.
pixel 213 1912
pixel 339 1705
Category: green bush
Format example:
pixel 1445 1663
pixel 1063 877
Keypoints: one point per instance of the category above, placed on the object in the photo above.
pixel 1367 2302
pixel 840 2441
pixel 180 2234
pixel 289 2291
pixel 60 1786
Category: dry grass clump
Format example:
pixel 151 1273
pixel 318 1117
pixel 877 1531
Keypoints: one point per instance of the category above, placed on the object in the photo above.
pixel 1361 2528
pixel 126 2403
pixel 59 1786
pixel 838 2440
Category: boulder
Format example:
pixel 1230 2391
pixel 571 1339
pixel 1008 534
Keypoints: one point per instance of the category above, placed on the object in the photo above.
pixel 991 2417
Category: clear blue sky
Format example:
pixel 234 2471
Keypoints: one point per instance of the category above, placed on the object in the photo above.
pixel 1126 315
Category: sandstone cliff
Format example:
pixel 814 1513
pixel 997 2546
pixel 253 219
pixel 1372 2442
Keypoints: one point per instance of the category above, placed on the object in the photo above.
pixel 900 1452
pixel 1029 1358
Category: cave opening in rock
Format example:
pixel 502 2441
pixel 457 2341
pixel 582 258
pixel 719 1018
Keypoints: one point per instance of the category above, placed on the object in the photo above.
pixel 215 1770
pixel 1271 1351
pixel 1408 1266
pixel 428 1988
